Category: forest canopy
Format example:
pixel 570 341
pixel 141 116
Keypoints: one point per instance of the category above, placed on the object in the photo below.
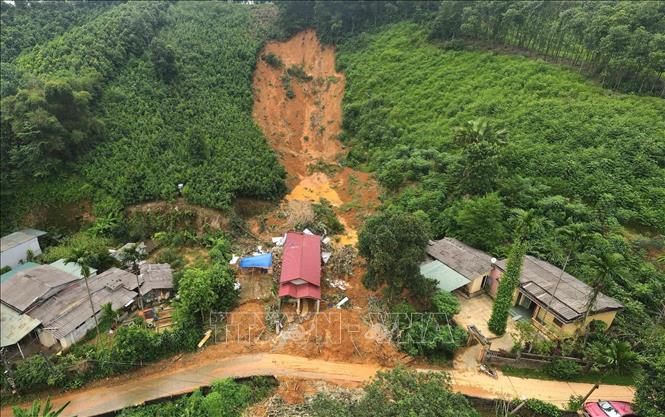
pixel 132 103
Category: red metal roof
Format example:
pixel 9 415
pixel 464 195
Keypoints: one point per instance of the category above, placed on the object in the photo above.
pixel 301 261
pixel 302 258
pixel 300 291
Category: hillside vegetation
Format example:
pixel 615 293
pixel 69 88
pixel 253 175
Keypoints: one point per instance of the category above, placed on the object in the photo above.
pixel 138 100
pixel 35 22
pixel 430 123
pixel 181 113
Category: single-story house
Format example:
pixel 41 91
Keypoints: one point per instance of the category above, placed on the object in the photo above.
pixel 156 281
pixel 72 268
pixel 301 268
pixel 67 316
pixel 14 327
pixel 16 247
pixel 552 298
pixel 34 285
pixel 455 265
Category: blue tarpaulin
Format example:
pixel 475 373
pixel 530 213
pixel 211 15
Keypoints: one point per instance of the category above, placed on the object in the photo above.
pixel 260 261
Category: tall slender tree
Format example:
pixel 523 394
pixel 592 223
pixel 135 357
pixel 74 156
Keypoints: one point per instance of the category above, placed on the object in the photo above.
pixel 132 255
pixel 82 258
pixel 608 266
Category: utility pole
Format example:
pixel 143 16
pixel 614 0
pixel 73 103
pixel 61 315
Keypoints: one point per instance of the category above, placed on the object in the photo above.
pixel 9 374
pixel 586 397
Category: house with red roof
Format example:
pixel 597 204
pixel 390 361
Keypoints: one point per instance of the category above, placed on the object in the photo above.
pixel 301 268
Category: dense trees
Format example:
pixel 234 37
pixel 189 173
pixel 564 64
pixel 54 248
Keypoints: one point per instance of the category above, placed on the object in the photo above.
pixel 394 245
pixel 335 21
pixel 578 156
pixel 622 42
pixel 29 23
pixel 136 101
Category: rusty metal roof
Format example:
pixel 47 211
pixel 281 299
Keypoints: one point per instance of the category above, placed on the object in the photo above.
pixel 14 326
pixel 467 261
pixel 539 280
pixel 155 276
pixel 29 286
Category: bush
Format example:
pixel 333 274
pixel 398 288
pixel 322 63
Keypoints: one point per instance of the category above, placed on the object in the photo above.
pixel 563 369
pixel 541 408
pixel 272 60
pixel 445 303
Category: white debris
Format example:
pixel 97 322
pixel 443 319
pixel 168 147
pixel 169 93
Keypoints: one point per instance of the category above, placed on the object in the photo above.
pixel 307 232
pixel 236 286
pixel 326 256
pixel 326 240
pixel 339 283
pixel 234 260
pixel 279 240
pixel 341 303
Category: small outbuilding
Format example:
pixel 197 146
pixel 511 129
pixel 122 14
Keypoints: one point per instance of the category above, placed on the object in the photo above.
pixel 260 263
pixel 156 282
pixel 17 247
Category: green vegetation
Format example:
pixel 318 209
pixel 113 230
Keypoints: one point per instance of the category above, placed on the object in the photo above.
pixel 196 129
pixel 37 411
pixel 510 280
pixel 622 42
pixel 399 392
pixel 590 378
pixel 650 384
pixel 227 398
pixel 394 245
pixel 32 23
pixel 141 98
pixel 579 156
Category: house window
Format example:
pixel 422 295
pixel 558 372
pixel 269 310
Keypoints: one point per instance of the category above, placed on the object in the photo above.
pixel 558 322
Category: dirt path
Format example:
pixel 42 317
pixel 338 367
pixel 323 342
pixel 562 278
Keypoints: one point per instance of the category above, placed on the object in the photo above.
pixel 303 129
pixel 119 394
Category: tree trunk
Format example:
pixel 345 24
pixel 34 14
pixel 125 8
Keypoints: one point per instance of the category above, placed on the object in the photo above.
pixel 92 307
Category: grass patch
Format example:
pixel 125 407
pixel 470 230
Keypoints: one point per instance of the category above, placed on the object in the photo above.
pixel 591 377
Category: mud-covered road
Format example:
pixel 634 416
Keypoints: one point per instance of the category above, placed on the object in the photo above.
pixel 120 394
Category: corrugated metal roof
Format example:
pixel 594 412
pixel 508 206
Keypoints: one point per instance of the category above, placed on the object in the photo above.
pixel 125 278
pixel 305 290
pixel 301 258
pixel 464 259
pixel 70 308
pixel 71 267
pixel 14 326
pixel 447 278
pixel 18 268
pixel 13 240
pixel 539 279
pixel 156 276
pixel 30 285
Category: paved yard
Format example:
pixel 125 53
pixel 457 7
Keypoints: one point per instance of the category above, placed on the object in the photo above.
pixel 477 311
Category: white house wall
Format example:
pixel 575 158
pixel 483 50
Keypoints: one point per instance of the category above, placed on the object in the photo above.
pixel 14 256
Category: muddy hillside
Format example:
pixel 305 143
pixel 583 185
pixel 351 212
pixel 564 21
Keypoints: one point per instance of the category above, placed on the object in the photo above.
pixel 298 105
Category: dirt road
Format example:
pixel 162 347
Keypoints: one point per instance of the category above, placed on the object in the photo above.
pixel 120 394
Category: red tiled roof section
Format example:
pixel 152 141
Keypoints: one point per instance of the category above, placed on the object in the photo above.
pixel 300 291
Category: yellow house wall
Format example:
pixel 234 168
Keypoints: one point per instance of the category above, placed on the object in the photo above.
pixel 475 285
pixel 569 329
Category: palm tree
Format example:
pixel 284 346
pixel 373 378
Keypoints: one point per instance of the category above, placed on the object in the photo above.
pixel 608 267
pixel 479 130
pixel 133 254
pixel 573 234
pixel 82 257
pixel 36 408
